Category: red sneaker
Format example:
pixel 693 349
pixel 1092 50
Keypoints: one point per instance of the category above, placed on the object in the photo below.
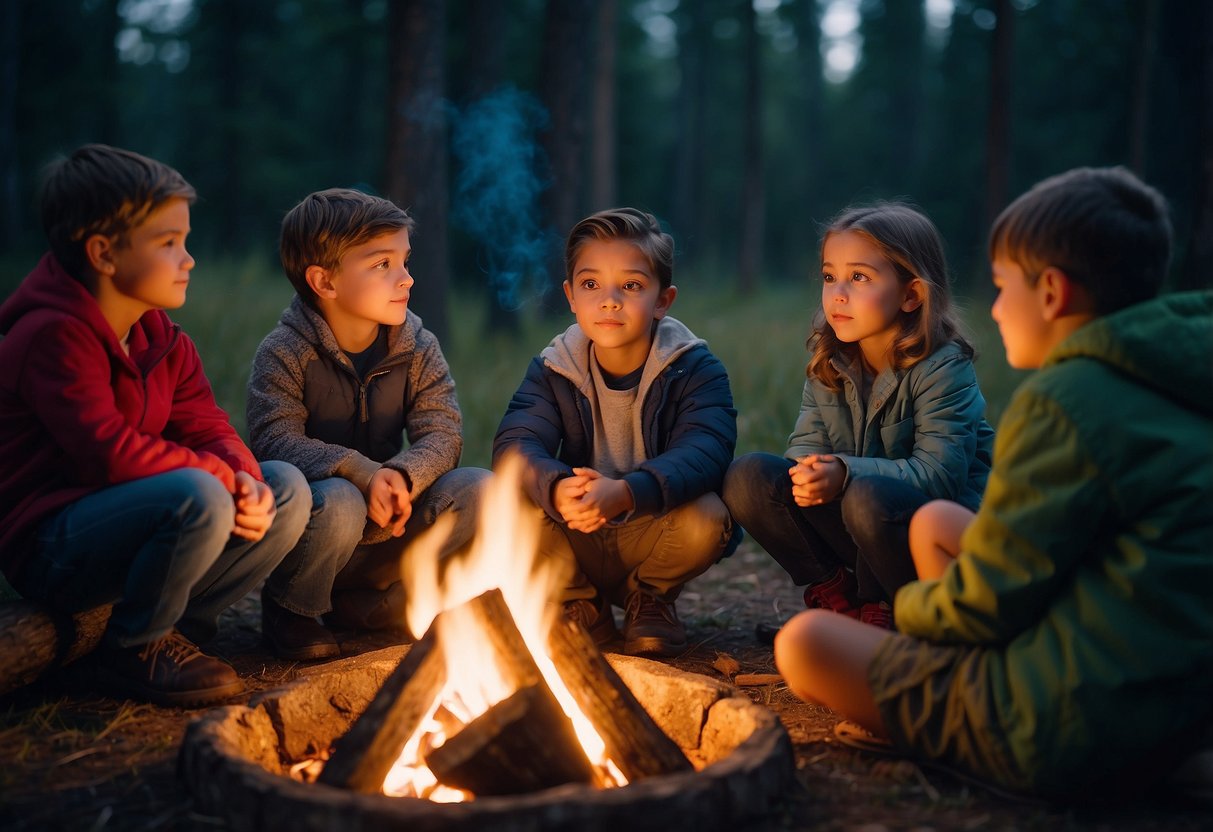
pixel 836 593
pixel 878 614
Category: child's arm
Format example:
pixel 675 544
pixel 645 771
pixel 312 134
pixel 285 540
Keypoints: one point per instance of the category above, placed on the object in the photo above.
pixel 432 420
pixel 1043 508
pixel 197 421
pixel 255 507
pixel 389 502
pixel 809 435
pixel 533 427
pixel 66 382
pixel 949 412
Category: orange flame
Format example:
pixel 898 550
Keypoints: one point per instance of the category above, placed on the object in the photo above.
pixel 503 556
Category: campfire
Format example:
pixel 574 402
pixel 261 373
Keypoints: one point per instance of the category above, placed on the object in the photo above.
pixel 501 695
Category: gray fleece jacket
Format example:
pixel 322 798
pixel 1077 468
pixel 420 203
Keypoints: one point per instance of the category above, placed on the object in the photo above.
pixel 307 406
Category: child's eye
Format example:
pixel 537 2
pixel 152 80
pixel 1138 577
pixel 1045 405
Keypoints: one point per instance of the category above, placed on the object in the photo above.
pixel 589 284
pixel 633 286
pixel 827 277
pixel 859 277
pixel 383 264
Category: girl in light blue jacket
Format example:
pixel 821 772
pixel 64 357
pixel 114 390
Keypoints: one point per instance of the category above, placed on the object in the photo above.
pixel 891 418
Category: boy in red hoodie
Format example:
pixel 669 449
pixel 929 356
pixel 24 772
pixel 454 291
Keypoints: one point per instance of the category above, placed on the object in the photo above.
pixel 121 479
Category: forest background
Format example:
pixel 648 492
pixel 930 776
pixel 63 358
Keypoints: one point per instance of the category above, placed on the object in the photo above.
pixel 742 124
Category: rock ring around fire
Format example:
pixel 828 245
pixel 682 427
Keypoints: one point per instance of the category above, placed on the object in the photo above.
pixel 235 761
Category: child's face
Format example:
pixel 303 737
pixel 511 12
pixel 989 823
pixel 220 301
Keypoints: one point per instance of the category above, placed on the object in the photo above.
pixel 616 297
pixel 152 267
pixel 371 284
pixel 1017 311
pixel 861 293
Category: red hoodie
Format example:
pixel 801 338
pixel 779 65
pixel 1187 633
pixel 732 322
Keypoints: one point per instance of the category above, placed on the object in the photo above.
pixel 77 414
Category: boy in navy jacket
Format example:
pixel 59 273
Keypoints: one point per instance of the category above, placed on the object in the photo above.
pixel 627 425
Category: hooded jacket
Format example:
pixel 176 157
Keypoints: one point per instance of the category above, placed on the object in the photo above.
pixel 687 417
pixel 78 414
pixel 307 406
pixel 1087 575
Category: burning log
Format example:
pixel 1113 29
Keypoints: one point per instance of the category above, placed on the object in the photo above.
pixel 633 741
pixel 362 757
pixel 34 639
pixel 523 743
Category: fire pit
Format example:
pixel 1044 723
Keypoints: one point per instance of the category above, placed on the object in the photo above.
pixel 237 760
pixel 502 716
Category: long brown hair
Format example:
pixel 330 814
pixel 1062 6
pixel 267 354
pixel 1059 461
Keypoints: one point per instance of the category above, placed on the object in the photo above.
pixel 910 241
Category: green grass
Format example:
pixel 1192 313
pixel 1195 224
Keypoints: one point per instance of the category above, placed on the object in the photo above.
pixel 233 304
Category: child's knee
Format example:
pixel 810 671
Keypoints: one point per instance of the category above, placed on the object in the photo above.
pixel 799 646
pixel 292 496
pixel 703 527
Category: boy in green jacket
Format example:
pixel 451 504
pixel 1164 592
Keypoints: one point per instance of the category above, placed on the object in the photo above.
pixel 1060 640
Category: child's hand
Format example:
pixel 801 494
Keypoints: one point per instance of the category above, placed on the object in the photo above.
pixel 255 507
pixel 587 500
pixel 817 479
pixel 567 497
pixel 388 502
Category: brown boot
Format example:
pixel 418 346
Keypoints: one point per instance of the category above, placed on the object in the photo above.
pixel 170 671
pixel 296 637
pixel 595 616
pixel 651 627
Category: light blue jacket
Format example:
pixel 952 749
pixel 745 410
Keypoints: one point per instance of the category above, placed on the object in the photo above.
pixel 924 426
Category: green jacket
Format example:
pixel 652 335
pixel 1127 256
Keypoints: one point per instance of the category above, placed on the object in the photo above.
pixel 924 426
pixel 1088 572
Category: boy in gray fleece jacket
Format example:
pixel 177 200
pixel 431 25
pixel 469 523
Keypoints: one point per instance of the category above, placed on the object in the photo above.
pixel 335 387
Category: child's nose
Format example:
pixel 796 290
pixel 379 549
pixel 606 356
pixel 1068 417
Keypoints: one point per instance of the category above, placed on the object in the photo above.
pixel 406 278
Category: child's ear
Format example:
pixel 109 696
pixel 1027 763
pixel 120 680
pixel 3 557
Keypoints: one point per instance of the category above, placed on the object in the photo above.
pixel 100 250
pixel 568 294
pixel 1056 292
pixel 915 294
pixel 665 299
pixel 321 281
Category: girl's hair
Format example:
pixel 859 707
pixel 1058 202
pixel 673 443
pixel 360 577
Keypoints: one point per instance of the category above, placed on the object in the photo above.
pixel 910 241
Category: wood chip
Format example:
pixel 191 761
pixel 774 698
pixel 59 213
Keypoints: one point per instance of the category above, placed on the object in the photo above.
pixel 749 680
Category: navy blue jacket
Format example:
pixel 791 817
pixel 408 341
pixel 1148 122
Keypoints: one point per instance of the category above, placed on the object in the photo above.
pixel 688 421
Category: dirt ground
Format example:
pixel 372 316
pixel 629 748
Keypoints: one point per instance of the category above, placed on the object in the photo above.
pixel 75 759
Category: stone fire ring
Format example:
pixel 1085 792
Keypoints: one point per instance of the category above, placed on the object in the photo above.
pixel 235 761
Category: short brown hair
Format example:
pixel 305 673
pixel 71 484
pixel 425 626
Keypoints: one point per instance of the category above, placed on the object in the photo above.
pixel 102 190
pixel 636 227
pixel 327 224
pixel 1105 228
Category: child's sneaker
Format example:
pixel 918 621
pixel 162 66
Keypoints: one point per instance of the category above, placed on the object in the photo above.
pixel 651 627
pixel 878 614
pixel 836 593
pixel 594 614
pixel 170 671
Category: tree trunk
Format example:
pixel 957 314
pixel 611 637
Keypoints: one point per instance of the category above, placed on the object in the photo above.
pixel 415 161
pixel 566 42
pixel 688 154
pixel 998 120
pixel 1197 269
pixel 602 135
pixel 10 205
pixel 1139 105
pixel 753 195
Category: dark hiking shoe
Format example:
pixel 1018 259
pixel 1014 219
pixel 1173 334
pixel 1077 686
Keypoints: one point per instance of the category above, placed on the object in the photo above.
pixel 836 593
pixel 368 609
pixel 595 616
pixel 296 637
pixel 170 671
pixel 651 627
pixel 878 614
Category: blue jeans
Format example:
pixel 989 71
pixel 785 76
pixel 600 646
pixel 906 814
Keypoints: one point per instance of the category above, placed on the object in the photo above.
pixel 867 530
pixel 331 552
pixel 656 553
pixel 161 550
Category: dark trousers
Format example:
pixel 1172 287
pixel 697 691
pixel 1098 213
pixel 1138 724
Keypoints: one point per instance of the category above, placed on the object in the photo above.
pixel 867 530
